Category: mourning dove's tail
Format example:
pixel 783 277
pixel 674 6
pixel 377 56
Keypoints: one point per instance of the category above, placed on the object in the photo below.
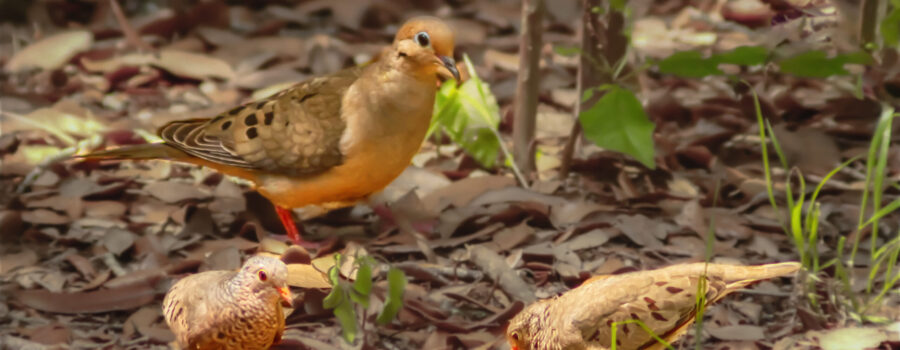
pixel 144 151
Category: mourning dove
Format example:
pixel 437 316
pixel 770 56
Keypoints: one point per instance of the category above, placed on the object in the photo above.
pixel 664 300
pixel 226 310
pixel 330 141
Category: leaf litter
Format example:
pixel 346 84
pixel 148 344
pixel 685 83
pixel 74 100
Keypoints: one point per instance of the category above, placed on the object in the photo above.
pixel 90 248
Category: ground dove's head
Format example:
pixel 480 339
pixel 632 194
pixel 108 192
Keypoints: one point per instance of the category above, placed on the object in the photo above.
pixel 266 278
pixel 523 327
pixel 424 46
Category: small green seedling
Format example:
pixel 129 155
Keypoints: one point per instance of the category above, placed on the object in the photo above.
pixel 347 298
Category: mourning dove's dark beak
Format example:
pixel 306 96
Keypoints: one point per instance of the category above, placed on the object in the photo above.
pixel 450 64
pixel 287 300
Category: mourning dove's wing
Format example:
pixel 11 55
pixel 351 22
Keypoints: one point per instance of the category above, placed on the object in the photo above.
pixel 664 300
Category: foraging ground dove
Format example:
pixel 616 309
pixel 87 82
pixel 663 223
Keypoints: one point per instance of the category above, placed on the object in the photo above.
pixel 664 300
pixel 331 140
pixel 227 310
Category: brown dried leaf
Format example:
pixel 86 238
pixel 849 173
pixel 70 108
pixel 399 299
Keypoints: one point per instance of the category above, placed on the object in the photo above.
pixel 55 333
pixel 307 276
pixel 105 300
pixel 496 267
pixel 643 230
pixel 51 52
pixel 461 192
pixel 174 191
pixel 9 262
pixel 180 63
pixel 44 217
pixel 144 321
pixel 736 332
pixel 117 240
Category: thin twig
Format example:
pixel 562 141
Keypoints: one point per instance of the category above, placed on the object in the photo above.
pixel 131 36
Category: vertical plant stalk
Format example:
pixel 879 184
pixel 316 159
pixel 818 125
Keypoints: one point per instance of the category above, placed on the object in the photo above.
pixel 871 12
pixel 525 117
pixel 586 73
pixel 588 77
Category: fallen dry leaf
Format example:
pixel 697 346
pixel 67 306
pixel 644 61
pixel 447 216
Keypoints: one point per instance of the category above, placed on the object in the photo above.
pixel 104 300
pixel 174 191
pixel 51 52
pixel 737 332
pixel 496 267
pixel 306 276
pixel 180 63
pixel 9 262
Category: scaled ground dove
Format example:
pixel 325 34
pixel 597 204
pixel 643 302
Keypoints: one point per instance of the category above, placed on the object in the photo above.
pixel 663 299
pixel 331 140
pixel 227 310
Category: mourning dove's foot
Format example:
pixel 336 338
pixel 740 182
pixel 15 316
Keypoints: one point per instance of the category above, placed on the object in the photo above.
pixel 290 227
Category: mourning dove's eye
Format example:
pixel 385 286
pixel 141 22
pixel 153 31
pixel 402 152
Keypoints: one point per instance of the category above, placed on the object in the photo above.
pixel 422 39
pixel 263 276
pixel 514 335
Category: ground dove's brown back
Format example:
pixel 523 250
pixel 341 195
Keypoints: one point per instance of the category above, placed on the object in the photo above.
pixel 664 300
pixel 229 309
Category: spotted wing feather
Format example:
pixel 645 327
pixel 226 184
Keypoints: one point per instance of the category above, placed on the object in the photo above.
pixel 294 132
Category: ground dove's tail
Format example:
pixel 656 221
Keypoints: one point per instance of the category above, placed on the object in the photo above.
pixel 737 277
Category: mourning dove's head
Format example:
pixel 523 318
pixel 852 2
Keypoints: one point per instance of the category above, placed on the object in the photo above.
pixel 424 46
pixel 266 278
pixel 523 327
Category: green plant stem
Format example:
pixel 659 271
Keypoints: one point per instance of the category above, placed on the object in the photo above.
pixel 614 330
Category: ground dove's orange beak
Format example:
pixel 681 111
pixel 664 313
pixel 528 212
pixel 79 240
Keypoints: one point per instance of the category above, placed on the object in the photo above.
pixel 286 298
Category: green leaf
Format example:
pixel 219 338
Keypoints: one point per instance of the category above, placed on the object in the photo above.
pixel 394 301
pixel 446 106
pixel 346 316
pixel 618 5
pixel 587 94
pixel 690 64
pixel 744 56
pixel 334 273
pixel 890 28
pixel 618 122
pixel 816 64
pixel 334 298
pixel 568 51
pixel 362 287
pixel 470 115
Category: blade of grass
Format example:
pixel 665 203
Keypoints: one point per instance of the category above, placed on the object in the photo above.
pixel 614 330
pixel 882 132
pixel 767 169
pixel 700 300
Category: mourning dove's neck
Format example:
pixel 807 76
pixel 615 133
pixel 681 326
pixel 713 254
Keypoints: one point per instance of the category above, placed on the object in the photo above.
pixel 388 108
